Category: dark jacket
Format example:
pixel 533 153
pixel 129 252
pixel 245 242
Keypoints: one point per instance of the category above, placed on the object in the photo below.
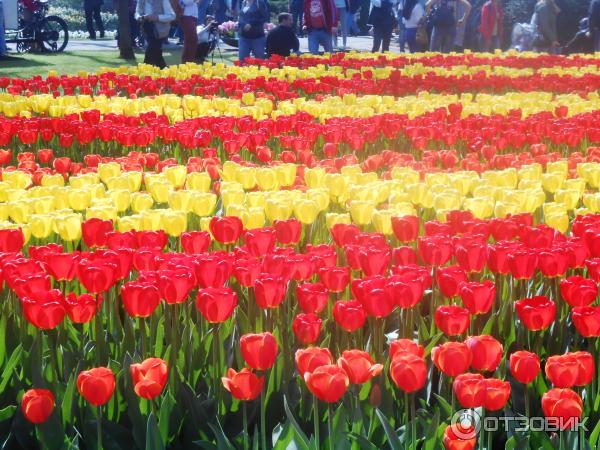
pixel 281 40
pixel 594 15
pixel 256 16
pixel 546 21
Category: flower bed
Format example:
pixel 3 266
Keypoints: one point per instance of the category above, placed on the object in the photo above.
pixel 351 251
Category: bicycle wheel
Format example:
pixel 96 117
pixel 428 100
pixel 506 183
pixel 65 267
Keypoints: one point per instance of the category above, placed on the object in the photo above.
pixel 53 34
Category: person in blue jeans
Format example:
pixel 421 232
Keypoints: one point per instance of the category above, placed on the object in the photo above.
pixel 445 21
pixel 320 22
pixel 3 49
pixel 297 11
pixel 253 16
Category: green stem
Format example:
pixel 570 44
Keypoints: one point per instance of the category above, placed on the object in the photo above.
pixel 316 421
pixel 527 400
pixel 414 422
pixel 263 420
pixel 143 336
pixel 245 422
pixel 407 414
pixel 215 361
pixel 99 428
pixel 329 427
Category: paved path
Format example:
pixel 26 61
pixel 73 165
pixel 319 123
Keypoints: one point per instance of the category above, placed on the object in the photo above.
pixel 363 43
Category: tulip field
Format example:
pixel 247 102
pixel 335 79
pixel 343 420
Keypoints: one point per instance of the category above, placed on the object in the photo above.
pixel 343 252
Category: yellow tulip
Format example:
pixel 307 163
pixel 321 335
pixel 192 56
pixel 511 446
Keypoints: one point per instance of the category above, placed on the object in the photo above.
pixel 254 218
pixel 332 219
pixel 103 212
pixel 306 211
pixel 559 222
pixel 256 199
pixel 246 176
pixel 19 211
pixel 41 225
pixel 120 182
pixel 141 201
pixel 382 221
pixel 176 175
pixel 233 197
pixel 160 191
pixel 481 207
pixel 53 180
pixel 151 219
pixel 267 179
pixel 42 205
pixel 174 222
pixel 204 203
pixel 552 181
pixel 320 197
pixel 4 212
pixel 79 199
pixel 286 174
pixel 181 201
pixel 17 179
pixel 121 199
pixel 128 223
pixel 229 171
pixel 315 177
pixel 198 181
pixel 68 226
pixel 108 170
pixel 569 197
pixel 205 224
pixel 361 211
pixel 278 210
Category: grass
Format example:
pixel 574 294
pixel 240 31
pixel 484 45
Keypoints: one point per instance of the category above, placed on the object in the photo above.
pixel 70 62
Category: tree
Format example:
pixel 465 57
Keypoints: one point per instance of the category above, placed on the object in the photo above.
pixel 125 46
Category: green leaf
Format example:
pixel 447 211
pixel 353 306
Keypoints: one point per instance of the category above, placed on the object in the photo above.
pixel 153 439
pixel 363 442
pixel 7 412
pixel 10 366
pixel 434 340
pixel 431 433
pixel 393 439
pixel 2 339
pixel 164 416
pixel 67 401
pixel 595 435
pixel 222 442
pixel 300 437
pixel 447 407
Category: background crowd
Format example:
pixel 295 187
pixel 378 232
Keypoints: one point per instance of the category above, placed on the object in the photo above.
pixel 436 25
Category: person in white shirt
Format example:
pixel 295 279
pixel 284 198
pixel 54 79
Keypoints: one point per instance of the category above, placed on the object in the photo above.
pixel 155 17
pixel 188 23
pixel 412 13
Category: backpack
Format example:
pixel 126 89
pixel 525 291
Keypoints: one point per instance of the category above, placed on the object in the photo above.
pixel 442 15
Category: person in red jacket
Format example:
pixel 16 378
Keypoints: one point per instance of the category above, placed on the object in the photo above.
pixel 490 28
pixel 320 21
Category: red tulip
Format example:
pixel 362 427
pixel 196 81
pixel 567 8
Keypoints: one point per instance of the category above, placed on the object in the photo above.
pixel 452 319
pixel 578 291
pixel 308 359
pixel 359 366
pixel 457 437
pixel 403 256
pixel 149 377
pixel 553 262
pixel 587 368
pixel 471 255
pixel 11 240
pixel 246 271
pixel 562 370
pixel 344 234
pixel 44 309
pixel 497 393
pixel 96 276
pixel 194 242
pixel 94 232
pixel 62 164
pixel 81 308
pixel 269 291
pixel 216 304
pixel 469 389
pixel 226 230
pixel 307 328
pixel 213 269
pixel 328 383
pixel 140 299
pixel 450 279
pixel 260 241
pixel 486 351
pixel 62 266
pixel 288 231
pixel 45 155
pixel 406 228
pixel 522 264
pixel 524 366
pixel 435 250
pixel 377 302
pixel 96 385
pixel 243 385
pixel 587 320
pixel 349 315
pixel 259 350
pixel 408 371
pixel 175 285
pixel 37 405
pixel 150 239
pixel 401 346
pixel 312 297
pixel 498 256
pixel 563 405
pixel 335 278
pixel 478 298
pixel 536 313
pixel 452 358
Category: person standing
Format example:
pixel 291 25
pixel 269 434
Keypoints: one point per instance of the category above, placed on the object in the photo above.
pixel 382 19
pixel 296 8
pixel 3 49
pixel 412 14
pixel 342 8
pixel 319 22
pixel 92 13
pixel 445 20
pixel 156 17
pixel 253 16
pixel 188 23
pixel 546 12
pixel 353 29
pixel 492 17
pixel 281 40
pixel 593 23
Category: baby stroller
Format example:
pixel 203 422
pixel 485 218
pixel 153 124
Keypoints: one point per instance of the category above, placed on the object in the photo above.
pixel 582 41
pixel 523 36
